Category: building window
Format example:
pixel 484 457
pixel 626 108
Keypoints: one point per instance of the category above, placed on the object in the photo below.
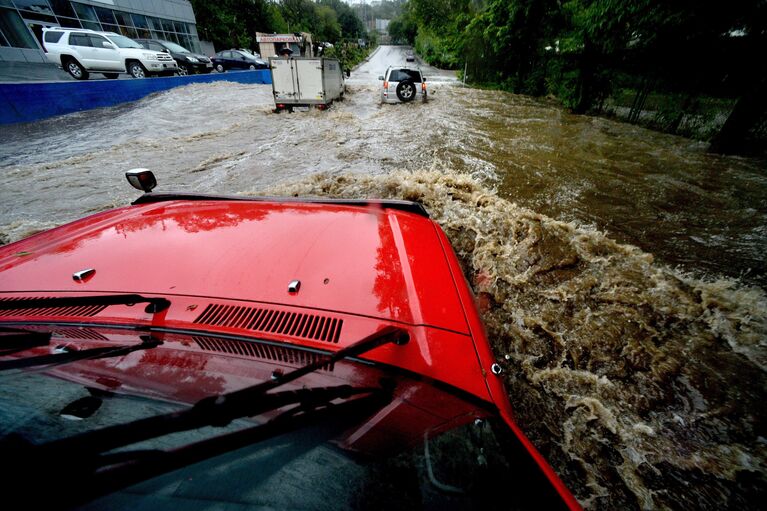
pixel 85 12
pixel 69 22
pixel 105 16
pixel 62 8
pixel 36 6
pixel 15 31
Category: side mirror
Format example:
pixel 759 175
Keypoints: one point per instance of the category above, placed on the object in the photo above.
pixel 381 77
pixel 109 45
pixel 141 179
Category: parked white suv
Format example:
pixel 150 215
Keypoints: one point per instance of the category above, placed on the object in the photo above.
pixel 140 62
pixel 402 84
pixel 81 52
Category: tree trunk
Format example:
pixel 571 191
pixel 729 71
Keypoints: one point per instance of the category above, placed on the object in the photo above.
pixel 750 109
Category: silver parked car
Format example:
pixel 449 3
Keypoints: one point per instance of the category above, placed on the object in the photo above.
pixel 403 84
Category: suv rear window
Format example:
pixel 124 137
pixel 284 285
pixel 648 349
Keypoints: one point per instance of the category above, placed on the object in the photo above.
pixel 398 75
pixel 53 37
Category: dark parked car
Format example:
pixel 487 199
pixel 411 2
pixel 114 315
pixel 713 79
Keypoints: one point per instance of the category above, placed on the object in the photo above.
pixel 188 62
pixel 237 59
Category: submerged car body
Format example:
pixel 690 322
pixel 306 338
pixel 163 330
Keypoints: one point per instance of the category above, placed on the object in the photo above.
pixel 313 354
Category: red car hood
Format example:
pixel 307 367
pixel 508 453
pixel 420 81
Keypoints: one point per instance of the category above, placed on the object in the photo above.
pixel 378 263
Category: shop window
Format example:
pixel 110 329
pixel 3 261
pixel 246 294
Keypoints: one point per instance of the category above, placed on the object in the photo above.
pixel 129 32
pixel 154 24
pixel 139 21
pixel 85 12
pixel 123 18
pixel 36 6
pixel 105 16
pixel 69 22
pixel 15 31
pixel 62 8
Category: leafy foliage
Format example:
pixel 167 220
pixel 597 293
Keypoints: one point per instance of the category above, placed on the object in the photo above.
pixel 577 49
pixel 234 23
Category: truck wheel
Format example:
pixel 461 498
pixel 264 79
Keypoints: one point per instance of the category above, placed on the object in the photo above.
pixel 136 70
pixel 75 69
pixel 111 76
pixel 406 91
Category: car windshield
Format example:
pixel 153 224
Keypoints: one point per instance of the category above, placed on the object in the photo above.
pixel 398 75
pixel 422 446
pixel 123 42
pixel 175 48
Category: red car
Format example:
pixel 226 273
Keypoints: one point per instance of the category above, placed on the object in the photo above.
pixel 188 351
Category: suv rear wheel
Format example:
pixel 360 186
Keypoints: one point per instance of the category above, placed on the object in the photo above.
pixel 75 69
pixel 406 91
pixel 136 70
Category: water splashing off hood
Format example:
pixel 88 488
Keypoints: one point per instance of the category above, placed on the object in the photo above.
pixel 643 386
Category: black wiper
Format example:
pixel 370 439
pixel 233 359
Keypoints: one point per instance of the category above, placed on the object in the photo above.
pixel 156 304
pixel 13 340
pixel 217 410
pixel 84 457
pixel 65 357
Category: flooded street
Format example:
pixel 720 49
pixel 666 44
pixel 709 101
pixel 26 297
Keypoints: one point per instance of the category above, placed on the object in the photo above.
pixel 621 271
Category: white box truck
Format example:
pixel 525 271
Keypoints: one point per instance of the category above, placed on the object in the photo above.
pixel 301 82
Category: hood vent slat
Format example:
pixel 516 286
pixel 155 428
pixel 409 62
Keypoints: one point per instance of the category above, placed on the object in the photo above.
pixel 262 351
pixel 71 310
pixel 274 321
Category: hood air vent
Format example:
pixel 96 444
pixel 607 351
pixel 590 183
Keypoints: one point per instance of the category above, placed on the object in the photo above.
pixel 293 324
pixel 262 351
pixel 72 310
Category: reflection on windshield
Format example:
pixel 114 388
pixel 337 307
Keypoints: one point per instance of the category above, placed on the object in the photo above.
pixel 124 42
pixel 175 47
pixel 408 462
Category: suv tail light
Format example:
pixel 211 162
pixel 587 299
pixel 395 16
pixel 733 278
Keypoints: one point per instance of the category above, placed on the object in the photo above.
pixel 423 86
pixel 386 85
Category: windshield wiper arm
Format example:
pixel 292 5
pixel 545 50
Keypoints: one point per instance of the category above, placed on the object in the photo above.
pixel 72 464
pixel 216 410
pixel 156 304
pixel 73 356
pixel 73 479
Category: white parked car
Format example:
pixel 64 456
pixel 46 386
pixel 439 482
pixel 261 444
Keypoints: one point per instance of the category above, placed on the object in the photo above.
pixel 403 84
pixel 140 62
pixel 81 52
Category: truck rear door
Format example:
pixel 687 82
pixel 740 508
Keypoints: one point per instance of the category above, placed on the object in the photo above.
pixel 284 80
pixel 309 72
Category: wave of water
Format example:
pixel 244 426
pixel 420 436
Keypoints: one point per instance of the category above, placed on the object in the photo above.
pixel 643 386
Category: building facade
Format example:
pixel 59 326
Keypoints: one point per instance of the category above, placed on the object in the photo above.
pixel 22 22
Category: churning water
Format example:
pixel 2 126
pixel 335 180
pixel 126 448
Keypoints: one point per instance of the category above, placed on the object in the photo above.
pixel 620 271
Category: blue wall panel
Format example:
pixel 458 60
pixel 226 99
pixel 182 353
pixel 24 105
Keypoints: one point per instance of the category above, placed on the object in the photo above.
pixel 31 101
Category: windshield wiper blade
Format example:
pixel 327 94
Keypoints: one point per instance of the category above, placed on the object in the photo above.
pixel 156 304
pixel 74 356
pixel 73 479
pixel 14 340
pixel 72 463
pixel 216 410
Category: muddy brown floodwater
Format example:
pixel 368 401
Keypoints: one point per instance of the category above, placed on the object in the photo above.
pixel 621 272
